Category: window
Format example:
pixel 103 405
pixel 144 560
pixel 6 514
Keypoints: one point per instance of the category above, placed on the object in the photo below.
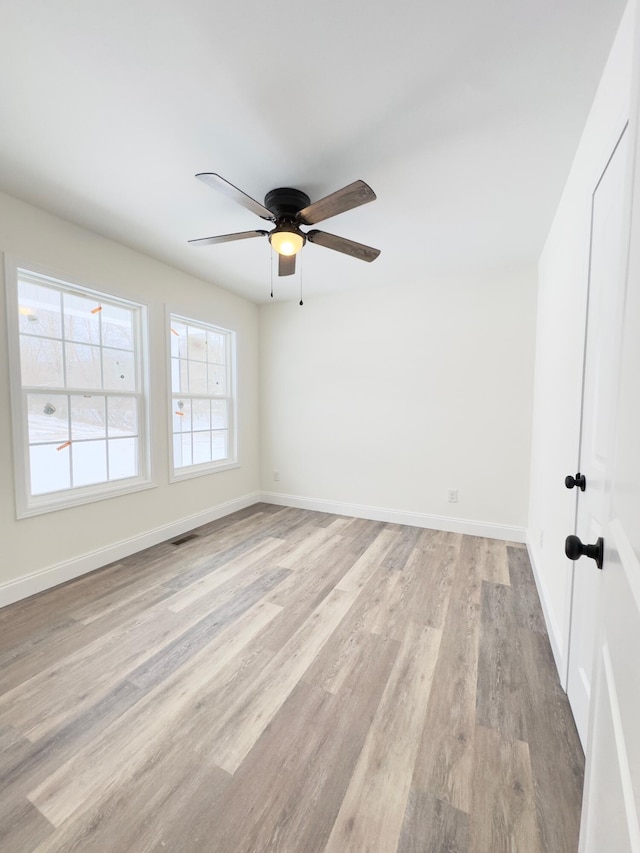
pixel 202 398
pixel 77 392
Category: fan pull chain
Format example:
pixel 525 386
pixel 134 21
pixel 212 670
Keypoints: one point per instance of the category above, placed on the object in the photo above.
pixel 300 266
pixel 271 268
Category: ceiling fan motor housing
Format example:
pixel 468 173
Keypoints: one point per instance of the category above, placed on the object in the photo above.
pixel 286 202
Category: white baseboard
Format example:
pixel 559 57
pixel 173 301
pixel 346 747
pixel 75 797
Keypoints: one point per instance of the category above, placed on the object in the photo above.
pixel 23 587
pixel 414 519
pixel 553 630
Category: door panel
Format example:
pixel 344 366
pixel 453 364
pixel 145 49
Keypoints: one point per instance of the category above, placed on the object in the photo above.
pixel 606 286
pixel 611 802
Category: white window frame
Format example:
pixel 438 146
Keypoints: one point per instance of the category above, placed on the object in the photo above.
pixel 27 504
pixel 232 459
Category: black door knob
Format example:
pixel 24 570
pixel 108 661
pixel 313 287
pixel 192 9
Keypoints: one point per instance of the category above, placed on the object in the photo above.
pixel 579 480
pixel 574 549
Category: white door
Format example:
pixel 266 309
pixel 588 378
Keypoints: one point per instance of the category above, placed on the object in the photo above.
pixel 606 285
pixel 611 802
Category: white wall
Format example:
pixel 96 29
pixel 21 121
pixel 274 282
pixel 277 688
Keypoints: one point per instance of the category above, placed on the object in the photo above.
pixel 40 551
pixel 562 301
pixel 376 403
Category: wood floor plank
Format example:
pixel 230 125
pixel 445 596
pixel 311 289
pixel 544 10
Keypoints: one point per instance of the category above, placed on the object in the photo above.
pixel 300 553
pixel 557 759
pixel 361 533
pixel 25 661
pixel 526 602
pixel 503 817
pixel 372 812
pixel 397 557
pixel 22 827
pixel 444 765
pixel 430 584
pixel 374 556
pixel 433 826
pixel 334 666
pixel 494 561
pixel 328 564
pixel 501 679
pixel 430 538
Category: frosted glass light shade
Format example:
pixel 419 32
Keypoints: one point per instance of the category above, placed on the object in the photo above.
pixel 286 242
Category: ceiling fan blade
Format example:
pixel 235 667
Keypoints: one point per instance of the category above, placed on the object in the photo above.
pixel 340 201
pixel 232 192
pixel 340 244
pixel 228 238
pixel 286 264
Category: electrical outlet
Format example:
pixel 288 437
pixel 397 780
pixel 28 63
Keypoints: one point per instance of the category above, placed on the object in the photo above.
pixel 452 496
pixel 276 476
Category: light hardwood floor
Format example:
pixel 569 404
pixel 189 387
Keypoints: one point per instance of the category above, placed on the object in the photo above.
pixel 289 681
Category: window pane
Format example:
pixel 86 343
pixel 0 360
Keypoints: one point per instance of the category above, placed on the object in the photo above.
pixel 178 334
pixel 41 362
pixel 201 412
pixel 219 445
pixel 181 415
pixel 122 416
pixel 197 344
pixel 81 320
pixel 200 382
pixel 39 310
pixel 219 414
pixel 49 468
pixel 71 345
pixel 217 380
pixel 201 447
pixel 89 462
pixel 182 450
pixel 216 348
pixel 123 458
pixel 48 418
pixel 83 366
pixel 119 372
pixel 117 327
pixel 197 377
pixel 87 417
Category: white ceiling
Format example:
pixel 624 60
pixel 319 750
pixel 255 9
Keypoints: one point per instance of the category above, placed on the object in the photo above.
pixel 462 115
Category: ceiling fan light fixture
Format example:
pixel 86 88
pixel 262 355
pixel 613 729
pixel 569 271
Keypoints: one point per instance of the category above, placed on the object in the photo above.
pixel 287 240
pixel 289 208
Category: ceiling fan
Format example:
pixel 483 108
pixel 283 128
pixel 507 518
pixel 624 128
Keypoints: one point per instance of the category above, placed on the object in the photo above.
pixel 289 209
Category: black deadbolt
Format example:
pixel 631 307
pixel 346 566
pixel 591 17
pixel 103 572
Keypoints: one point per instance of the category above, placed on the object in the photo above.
pixel 579 480
pixel 574 549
